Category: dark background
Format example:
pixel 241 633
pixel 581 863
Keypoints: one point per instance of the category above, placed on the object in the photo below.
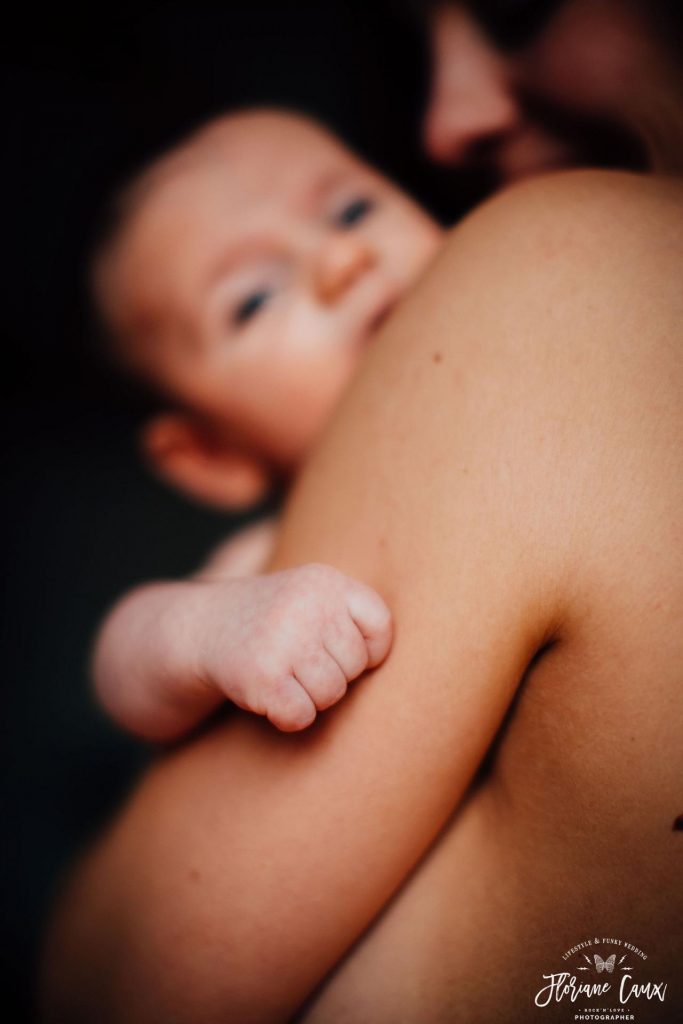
pixel 86 100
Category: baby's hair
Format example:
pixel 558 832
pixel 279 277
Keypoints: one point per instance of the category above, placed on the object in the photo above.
pixel 125 199
pixel 105 342
pixel 125 196
pixel 107 227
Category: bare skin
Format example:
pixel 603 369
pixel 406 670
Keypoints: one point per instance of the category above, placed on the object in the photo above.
pixel 252 266
pixel 284 645
pixel 521 493
pixel 248 273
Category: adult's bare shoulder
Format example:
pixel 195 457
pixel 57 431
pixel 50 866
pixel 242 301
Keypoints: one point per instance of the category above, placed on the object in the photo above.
pixel 549 221
pixel 591 225
pixel 581 203
pixel 567 297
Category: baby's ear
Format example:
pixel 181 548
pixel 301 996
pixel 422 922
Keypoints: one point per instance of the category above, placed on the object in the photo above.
pixel 185 455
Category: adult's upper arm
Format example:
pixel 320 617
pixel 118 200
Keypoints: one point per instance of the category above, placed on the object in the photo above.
pixel 249 861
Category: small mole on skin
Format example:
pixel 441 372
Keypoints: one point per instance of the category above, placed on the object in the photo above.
pixel 194 874
pixel 437 357
pixel 678 824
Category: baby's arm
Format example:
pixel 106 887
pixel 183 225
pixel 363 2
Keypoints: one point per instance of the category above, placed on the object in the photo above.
pixel 284 645
pixel 245 554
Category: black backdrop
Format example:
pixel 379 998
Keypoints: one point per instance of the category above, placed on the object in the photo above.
pixel 85 100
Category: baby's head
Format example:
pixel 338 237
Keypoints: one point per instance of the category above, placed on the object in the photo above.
pixel 248 269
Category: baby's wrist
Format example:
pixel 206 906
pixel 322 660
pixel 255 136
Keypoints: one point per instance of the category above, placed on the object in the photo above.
pixel 198 614
pixel 147 669
pixel 178 631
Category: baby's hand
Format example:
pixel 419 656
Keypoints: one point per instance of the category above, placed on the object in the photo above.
pixel 286 645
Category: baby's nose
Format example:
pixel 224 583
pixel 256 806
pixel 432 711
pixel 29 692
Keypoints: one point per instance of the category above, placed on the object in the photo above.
pixel 341 261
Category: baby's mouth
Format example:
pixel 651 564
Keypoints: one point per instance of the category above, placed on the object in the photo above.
pixel 378 317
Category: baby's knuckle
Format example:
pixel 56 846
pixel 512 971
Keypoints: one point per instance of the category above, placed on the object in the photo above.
pixel 323 577
pixel 264 664
pixel 336 689
pixel 294 590
pixel 319 569
pixel 288 710
pixel 382 616
pixel 358 662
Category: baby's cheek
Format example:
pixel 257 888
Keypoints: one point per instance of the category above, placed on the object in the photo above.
pixel 414 244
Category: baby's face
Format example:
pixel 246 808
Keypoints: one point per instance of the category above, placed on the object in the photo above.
pixel 259 261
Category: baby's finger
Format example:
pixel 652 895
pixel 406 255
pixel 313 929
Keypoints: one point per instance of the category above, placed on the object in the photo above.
pixel 289 707
pixel 345 643
pixel 322 678
pixel 373 619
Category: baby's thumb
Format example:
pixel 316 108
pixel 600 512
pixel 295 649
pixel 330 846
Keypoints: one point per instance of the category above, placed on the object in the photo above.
pixel 373 619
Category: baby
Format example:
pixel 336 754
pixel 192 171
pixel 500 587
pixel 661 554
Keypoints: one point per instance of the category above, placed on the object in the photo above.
pixel 246 274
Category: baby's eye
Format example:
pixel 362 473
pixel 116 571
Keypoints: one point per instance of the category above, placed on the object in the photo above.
pixel 354 212
pixel 251 305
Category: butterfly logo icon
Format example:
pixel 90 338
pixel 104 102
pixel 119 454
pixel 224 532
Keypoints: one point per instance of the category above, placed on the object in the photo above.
pixel 604 965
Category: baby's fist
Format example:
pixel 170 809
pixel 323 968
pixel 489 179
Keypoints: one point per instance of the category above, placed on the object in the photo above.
pixel 312 630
